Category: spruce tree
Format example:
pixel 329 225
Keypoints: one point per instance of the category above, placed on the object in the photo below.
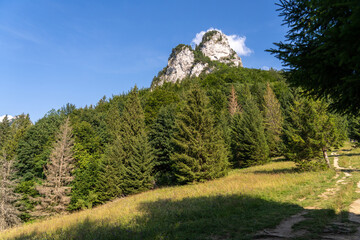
pixel 310 133
pixel 273 121
pixel 110 178
pixel 56 188
pixel 128 163
pixel 160 137
pixel 249 146
pixel 199 150
pixel 354 129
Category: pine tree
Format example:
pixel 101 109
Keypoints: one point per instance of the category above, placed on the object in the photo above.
pixel 310 133
pixel 354 129
pixel 56 188
pixel 249 146
pixel 160 137
pixel 110 177
pixel 273 121
pixel 87 156
pixel 199 149
pixel 128 163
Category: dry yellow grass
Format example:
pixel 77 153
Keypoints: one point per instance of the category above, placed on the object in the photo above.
pixel 275 182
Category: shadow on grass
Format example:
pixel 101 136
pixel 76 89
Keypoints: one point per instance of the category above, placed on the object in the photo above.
pixel 277 171
pixel 346 155
pixel 216 217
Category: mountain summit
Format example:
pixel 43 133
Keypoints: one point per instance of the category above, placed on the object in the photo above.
pixel 186 62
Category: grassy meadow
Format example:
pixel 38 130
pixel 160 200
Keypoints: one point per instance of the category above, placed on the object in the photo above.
pixel 233 207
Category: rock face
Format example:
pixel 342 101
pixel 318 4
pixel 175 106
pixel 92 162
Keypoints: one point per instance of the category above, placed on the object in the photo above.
pixel 186 62
pixel 215 45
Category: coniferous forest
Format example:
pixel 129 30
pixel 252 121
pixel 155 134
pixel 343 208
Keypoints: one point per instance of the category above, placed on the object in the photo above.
pixel 193 131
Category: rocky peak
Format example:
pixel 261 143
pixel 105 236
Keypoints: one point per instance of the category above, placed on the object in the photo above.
pixel 186 62
pixel 215 45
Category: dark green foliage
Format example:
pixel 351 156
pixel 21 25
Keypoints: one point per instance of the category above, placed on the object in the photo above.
pixel 5 131
pixel 208 36
pixel 128 163
pixel 160 137
pixel 354 129
pixel 158 98
pixel 11 132
pixel 310 133
pixel 228 75
pixel 249 146
pixel 91 134
pixel 199 150
pixel 200 57
pixel 27 202
pixel 34 149
pixel 189 140
pixel 179 48
pixel 322 49
pixel 87 154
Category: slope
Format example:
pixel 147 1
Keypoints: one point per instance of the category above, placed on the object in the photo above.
pixel 233 207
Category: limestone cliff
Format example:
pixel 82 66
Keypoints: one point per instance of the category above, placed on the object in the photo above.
pixel 186 62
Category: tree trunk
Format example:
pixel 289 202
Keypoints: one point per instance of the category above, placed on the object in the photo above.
pixel 326 157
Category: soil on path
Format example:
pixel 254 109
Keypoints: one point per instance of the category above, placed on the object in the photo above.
pixel 285 229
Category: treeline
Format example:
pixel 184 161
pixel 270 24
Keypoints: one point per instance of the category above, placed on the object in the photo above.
pixel 76 158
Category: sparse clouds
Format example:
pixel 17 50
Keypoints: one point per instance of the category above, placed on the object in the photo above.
pixel 236 42
pixel 20 34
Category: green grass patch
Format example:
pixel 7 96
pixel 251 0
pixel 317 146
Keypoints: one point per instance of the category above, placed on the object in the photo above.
pixel 233 207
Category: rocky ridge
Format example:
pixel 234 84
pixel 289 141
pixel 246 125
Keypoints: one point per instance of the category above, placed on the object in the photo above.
pixel 186 62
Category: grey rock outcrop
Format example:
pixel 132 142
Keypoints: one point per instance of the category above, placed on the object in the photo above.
pixel 215 45
pixel 186 62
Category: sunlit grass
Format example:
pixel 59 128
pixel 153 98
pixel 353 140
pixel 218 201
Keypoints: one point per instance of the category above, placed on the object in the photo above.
pixel 235 206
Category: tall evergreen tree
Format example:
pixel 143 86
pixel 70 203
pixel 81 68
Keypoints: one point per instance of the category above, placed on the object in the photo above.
pixel 199 150
pixel 160 137
pixel 128 163
pixel 87 155
pixel 354 129
pixel 56 188
pixel 310 133
pixel 273 121
pixel 35 147
pixel 249 146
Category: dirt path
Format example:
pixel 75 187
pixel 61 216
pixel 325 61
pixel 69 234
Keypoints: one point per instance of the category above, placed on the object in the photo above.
pixel 354 213
pixel 285 229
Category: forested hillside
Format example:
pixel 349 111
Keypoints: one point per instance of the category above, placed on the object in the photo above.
pixel 182 133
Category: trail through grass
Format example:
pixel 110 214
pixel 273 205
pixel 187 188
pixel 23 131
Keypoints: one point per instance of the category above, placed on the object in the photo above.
pixel 233 207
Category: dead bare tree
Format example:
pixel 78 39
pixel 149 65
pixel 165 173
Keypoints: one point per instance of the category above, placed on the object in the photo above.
pixel 8 212
pixel 273 120
pixel 234 106
pixel 55 190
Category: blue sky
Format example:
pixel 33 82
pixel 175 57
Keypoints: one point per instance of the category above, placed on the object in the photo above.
pixel 72 51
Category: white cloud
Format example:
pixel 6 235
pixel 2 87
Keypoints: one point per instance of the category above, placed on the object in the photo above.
pixel 9 117
pixel 236 42
pixel 265 68
pixel 198 38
